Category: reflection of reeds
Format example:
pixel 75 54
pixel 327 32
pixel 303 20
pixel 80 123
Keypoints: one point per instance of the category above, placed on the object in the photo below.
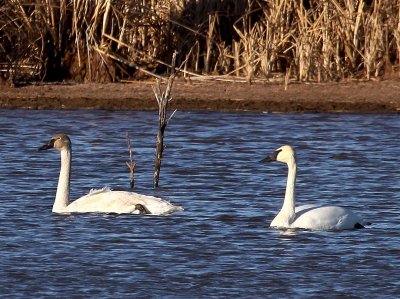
pixel 109 40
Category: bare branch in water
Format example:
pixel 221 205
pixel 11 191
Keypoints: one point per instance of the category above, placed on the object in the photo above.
pixel 163 98
pixel 130 163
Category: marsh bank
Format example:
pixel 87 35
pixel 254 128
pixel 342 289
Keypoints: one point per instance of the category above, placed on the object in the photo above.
pixel 353 96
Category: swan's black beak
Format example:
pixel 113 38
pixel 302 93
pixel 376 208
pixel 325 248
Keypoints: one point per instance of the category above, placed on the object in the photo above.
pixel 47 146
pixel 271 158
pixel 267 159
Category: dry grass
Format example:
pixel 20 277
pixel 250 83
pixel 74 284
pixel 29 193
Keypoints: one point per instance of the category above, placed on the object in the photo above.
pixel 110 40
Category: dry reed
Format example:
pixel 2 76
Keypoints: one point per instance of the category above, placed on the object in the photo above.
pixel 111 40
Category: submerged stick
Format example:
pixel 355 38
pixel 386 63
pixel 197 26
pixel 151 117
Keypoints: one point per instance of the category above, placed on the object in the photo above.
pixel 163 98
pixel 130 163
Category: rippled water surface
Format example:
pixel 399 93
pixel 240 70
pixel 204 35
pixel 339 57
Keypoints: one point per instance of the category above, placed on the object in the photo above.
pixel 221 245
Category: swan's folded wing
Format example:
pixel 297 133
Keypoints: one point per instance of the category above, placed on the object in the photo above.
pixel 326 218
pixel 120 202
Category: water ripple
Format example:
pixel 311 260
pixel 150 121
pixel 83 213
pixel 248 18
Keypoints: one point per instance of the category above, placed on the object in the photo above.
pixel 221 245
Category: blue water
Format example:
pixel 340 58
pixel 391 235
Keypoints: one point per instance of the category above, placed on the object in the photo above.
pixel 221 245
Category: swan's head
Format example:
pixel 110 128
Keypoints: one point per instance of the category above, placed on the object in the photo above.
pixel 283 154
pixel 59 141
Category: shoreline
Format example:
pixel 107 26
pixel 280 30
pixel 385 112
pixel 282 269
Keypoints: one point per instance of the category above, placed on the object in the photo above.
pixel 344 97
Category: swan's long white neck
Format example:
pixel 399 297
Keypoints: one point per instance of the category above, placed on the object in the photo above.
pixel 290 194
pixel 62 195
pixel 286 216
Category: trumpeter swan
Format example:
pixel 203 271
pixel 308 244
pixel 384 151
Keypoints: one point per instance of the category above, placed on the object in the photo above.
pixel 308 216
pixel 102 200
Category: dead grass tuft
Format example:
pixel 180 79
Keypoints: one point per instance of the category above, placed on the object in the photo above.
pixel 111 40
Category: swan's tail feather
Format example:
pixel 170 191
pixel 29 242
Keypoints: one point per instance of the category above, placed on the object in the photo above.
pixel 172 209
pixel 358 226
pixel 362 224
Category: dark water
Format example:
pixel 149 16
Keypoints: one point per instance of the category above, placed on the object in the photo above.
pixel 220 246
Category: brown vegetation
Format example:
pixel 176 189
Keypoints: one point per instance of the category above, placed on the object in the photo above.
pixel 114 40
pixel 354 96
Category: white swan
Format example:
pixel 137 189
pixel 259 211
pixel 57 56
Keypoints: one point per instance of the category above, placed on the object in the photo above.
pixel 102 200
pixel 308 216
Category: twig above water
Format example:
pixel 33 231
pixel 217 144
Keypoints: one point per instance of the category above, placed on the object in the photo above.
pixel 130 163
pixel 163 98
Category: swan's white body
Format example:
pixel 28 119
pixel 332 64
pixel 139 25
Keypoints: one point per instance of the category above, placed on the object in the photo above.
pixel 102 200
pixel 120 202
pixel 308 216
